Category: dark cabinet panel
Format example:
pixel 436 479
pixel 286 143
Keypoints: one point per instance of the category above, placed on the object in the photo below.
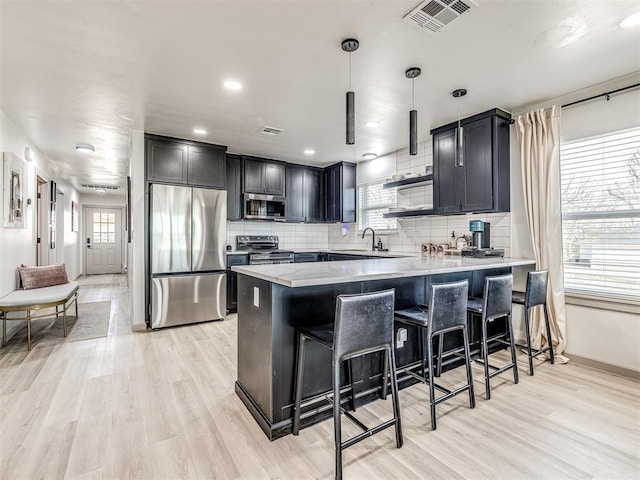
pixel 481 182
pixel 314 195
pixel 253 176
pixel 338 257
pixel 274 179
pixel 232 280
pixel 446 194
pixel 179 161
pixel 340 191
pixel 305 194
pixel 295 194
pixel 234 188
pixel 166 161
pixel 207 166
pixel 306 257
pixel 263 176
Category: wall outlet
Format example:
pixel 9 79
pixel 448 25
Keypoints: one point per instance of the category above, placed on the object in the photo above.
pixel 401 337
pixel 256 297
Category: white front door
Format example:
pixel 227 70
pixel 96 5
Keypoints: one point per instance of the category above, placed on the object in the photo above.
pixel 104 240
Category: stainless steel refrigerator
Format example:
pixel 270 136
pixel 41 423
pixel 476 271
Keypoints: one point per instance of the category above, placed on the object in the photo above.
pixel 188 255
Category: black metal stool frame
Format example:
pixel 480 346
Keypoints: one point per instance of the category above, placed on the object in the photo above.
pixel 496 303
pixel 351 339
pixel 451 296
pixel 535 295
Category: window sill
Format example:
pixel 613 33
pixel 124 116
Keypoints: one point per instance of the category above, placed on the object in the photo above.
pixel 611 304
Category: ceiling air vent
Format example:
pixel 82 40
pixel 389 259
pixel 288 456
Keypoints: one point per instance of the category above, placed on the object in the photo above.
pixel 431 16
pixel 273 131
pixel 105 187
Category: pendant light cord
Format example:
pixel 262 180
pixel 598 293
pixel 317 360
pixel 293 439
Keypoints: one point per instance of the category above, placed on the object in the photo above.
pixel 349 71
pixel 413 93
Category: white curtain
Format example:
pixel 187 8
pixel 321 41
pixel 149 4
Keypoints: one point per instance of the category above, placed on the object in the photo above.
pixel 539 141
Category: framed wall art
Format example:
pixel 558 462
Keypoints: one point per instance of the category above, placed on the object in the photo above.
pixel 14 190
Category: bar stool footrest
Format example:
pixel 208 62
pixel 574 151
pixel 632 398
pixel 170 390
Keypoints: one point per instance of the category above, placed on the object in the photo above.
pixel 367 433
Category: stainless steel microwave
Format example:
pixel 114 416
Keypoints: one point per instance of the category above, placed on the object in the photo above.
pixel 264 207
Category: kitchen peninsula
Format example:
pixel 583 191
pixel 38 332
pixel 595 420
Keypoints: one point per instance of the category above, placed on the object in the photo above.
pixel 275 299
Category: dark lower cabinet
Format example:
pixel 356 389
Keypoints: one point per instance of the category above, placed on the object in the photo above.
pixel 337 257
pixel 479 183
pixel 234 187
pixel 177 161
pixel 340 188
pixel 232 280
pixel 305 194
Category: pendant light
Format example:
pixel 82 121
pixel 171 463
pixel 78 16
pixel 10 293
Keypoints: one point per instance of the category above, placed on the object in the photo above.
pixel 459 93
pixel 413 73
pixel 350 45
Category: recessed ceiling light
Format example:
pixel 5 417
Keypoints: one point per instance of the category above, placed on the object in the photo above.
pixel 232 85
pixel 199 131
pixel 372 124
pixel 85 148
pixel 369 156
pixel 630 21
pixel 309 151
pixel 100 190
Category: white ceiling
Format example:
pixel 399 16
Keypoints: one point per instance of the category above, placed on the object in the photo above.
pixel 89 72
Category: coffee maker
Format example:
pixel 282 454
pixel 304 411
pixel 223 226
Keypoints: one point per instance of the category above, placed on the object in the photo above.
pixel 481 241
pixel 481 232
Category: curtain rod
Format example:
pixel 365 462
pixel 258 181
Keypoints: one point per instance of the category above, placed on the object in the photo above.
pixel 605 94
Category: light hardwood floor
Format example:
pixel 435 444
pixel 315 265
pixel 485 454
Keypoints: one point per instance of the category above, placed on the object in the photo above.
pixel 162 405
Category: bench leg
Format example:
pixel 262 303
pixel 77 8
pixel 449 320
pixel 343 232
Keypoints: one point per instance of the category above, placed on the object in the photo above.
pixel 4 330
pixel 76 300
pixel 64 319
pixel 28 330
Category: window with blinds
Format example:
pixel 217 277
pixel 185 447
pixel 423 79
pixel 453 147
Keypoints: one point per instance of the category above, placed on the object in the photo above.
pixel 601 215
pixel 373 202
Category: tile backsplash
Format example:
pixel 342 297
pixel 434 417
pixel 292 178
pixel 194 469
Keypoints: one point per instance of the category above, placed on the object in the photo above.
pixel 291 235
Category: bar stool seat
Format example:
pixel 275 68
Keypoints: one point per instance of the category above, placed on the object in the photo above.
pixel 446 313
pixel 363 325
pixel 495 303
pixel 535 295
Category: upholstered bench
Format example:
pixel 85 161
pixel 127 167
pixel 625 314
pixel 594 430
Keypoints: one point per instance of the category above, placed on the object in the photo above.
pixel 25 303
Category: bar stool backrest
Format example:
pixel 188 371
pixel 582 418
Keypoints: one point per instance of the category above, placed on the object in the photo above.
pixel 497 296
pixel 364 323
pixel 448 305
pixel 536 293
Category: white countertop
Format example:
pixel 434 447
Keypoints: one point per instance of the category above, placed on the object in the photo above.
pixel 327 273
pixel 366 253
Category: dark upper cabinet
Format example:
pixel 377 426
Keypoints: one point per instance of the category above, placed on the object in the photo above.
pixel 481 182
pixel 206 166
pixel 314 195
pixel 340 188
pixel 263 176
pixel 305 194
pixel 295 194
pixel 179 161
pixel 166 160
pixel 234 187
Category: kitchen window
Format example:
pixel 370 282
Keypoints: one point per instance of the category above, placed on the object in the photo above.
pixel 600 181
pixel 373 202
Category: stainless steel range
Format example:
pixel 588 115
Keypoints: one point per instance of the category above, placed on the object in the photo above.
pixel 263 249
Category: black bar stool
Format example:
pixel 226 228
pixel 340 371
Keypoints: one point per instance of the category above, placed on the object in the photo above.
pixel 447 312
pixel 535 295
pixel 496 303
pixel 363 325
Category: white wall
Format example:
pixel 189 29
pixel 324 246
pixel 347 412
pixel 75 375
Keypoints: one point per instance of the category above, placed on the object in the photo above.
pixel 18 245
pixel 597 334
pixel 135 250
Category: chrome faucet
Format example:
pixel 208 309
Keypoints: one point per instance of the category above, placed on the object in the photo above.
pixel 373 239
